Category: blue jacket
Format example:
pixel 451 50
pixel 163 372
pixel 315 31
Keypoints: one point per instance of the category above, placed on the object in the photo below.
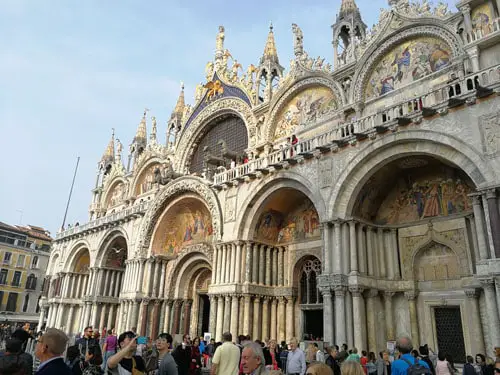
pixel 399 367
pixel 57 366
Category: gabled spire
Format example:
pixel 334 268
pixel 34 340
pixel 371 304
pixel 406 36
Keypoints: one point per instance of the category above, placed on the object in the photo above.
pixel 179 107
pixel 141 134
pixel 348 7
pixel 270 52
pixel 109 154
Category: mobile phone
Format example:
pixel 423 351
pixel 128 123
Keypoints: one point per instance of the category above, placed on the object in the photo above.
pixel 142 340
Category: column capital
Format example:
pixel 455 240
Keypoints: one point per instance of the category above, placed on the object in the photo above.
pixel 247 298
pixel 188 302
pixel 476 199
pixel 471 293
pixel 491 194
pixel 465 8
pixel 388 294
pixel 227 298
pixel 178 303
pixel 339 291
pixel 281 300
pixel 487 283
pixel 411 294
pixel 157 302
pixel 265 300
pixel 145 301
pixel 325 290
pixel 356 290
pixel 372 293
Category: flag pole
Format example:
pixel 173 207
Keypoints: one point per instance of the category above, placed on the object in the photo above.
pixel 70 192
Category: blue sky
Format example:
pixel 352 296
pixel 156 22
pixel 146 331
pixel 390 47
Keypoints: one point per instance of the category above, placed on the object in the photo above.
pixel 72 70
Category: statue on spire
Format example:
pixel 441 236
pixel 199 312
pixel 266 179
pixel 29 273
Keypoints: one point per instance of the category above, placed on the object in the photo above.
pixel 153 130
pixel 219 41
pixel 119 149
pixel 298 46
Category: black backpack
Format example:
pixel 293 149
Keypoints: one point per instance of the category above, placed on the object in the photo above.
pixel 416 368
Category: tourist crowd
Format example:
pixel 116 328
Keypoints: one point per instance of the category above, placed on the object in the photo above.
pixel 128 353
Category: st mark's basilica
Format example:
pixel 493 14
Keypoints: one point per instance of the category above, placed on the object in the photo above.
pixel 347 202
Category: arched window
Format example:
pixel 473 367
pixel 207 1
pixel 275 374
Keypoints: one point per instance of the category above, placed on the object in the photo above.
pixel 309 293
pixel 31 282
pixel 34 262
pixel 26 301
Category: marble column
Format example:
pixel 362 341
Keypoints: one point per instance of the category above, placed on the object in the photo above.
pixel 265 318
pixel 381 253
pixel 86 315
pixel 327 244
pixel 71 315
pixel 156 278
pixel 340 323
pixel 358 308
pixel 110 324
pixel 156 318
pixel 234 263
pixel 474 317
pixel 255 263
pixel 494 220
pixel 353 248
pixel 102 317
pixel 370 252
pixel 214 266
pixel 140 280
pixel 219 265
pixel 389 254
pixel 41 317
pixel 491 309
pixel 246 314
pixel 95 318
pixel 128 312
pixel 224 263
pixel 238 263
pixel 262 264
pixel 187 315
pixel 269 258
pixel 168 312
pixel 234 316
pixel 248 264
pixel 281 258
pixel 161 291
pixel 479 221
pixel 467 19
pixel 328 316
pixel 395 252
pixel 361 250
pixel 389 316
pixel 371 323
pixel 177 316
pixel 227 314
pixel 144 316
pixel 290 318
pixel 411 296
pixel 256 318
pixel 337 249
pixel 281 319
pixel 274 319
pixel 220 318
pixel 212 321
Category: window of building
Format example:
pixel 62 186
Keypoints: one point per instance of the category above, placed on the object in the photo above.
pixel 37 310
pixel 11 302
pixel 26 302
pixel 20 260
pixel 1 299
pixel 31 282
pixel 308 288
pixel 6 257
pixel 34 262
pixel 3 276
pixel 16 280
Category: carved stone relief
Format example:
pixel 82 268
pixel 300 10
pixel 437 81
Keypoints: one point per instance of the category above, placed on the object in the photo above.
pixel 489 126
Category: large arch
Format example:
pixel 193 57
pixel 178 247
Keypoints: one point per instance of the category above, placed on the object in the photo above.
pixel 188 184
pixel 397 145
pixel 75 253
pixel 247 219
pixel 377 50
pixel 144 168
pixel 220 107
pixel 114 245
pixel 115 192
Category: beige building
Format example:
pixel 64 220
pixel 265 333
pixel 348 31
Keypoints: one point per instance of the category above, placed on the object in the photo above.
pixel 350 203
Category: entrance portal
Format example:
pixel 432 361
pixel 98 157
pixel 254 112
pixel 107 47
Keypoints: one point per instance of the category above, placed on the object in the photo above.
pixel 449 332
pixel 313 324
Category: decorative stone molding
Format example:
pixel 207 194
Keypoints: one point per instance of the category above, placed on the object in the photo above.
pixel 340 291
pixel 411 294
pixel 196 128
pixel 372 293
pixel 491 194
pixel 489 125
pixel 356 290
pixel 471 293
pixel 172 190
pixel 388 294
pixel 488 283
pixel 377 50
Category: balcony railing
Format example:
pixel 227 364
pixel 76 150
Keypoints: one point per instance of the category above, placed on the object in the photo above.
pixel 120 215
pixel 479 34
pixel 340 134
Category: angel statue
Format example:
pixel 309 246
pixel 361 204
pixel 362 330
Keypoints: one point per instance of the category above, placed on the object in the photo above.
pixel 441 9
pixel 298 46
pixel 235 68
pixel 199 91
pixel 154 128
pixel 119 149
pixel 219 41
pixel 209 70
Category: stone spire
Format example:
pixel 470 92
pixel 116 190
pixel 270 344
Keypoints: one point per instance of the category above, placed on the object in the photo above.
pixel 109 155
pixel 270 52
pixel 348 6
pixel 141 134
pixel 180 105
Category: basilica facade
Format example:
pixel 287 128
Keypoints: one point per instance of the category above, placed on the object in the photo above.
pixel 346 202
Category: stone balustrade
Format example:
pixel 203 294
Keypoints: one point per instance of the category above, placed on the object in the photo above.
pixel 342 134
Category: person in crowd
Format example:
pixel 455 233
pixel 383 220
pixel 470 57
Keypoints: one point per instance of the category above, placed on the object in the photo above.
pixel 182 355
pixel 203 344
pixel 363 361
pixel 296 361
pixel 480 363
pixel 73 360
pixel 14 360
pixel 195 364
pixel 109 347
pixel 497 366
pixel 384 363
pixel 351 368
pixel 424 355
pixel 343 354
pixel 87 340
pixel 414 354
pixel 49 350
pixel 442 365
pixel 226 358
pixel 371 364
pixel 310 353
pixel 496 351
pixel 489 369
pixel 331 360
pixel 354 356
pixel 93 361
pixel 469 366
pixel 125 361
pixel 319 368
pixel 320 356
pixel 451 363
pixel 252 359
pixel 283 355
pixel 401 365
pixel 166 363
pixel 271 356
pixel 209 352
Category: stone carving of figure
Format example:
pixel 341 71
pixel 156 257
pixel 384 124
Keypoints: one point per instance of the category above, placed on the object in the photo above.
pixel 298 46
pixel 425 8
pixel 441 9
pixel 235 68
pixel 154 128
pixel 199 92
pixel 209 70
pixel 219 41
pixel 119 149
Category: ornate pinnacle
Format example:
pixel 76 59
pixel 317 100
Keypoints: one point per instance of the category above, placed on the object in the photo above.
pixel 270 52
pixel 109 154
pixel 348 6
pixel 141 129
pixel 179 107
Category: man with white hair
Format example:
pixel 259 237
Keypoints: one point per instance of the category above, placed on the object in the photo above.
pixel 252 360
pixel 49 350
pixel 296 360
pixel 401 365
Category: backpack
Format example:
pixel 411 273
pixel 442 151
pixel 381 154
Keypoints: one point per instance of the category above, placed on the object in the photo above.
pixel 416 368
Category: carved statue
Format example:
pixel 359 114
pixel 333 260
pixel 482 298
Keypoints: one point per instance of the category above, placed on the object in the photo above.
pixel 226 152
pixel 441 9
pixel 235 68
pixel 318 64
pixel 163 177
pixel 298 46
pixel 219 41
pixel 209 70
pixel 425 8
pixel 210 159
pixel 154 128
pixel 119 149
pixel 198 92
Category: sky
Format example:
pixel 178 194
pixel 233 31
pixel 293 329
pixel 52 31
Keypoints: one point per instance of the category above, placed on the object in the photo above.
pixel 70 71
